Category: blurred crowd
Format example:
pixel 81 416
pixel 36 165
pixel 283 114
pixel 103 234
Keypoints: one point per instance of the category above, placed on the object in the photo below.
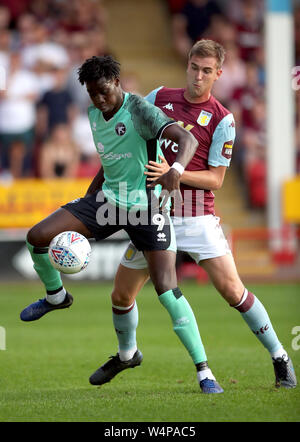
pixel 44 129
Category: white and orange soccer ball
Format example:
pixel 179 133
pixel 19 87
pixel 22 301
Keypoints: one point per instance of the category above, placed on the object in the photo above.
pixel 69 252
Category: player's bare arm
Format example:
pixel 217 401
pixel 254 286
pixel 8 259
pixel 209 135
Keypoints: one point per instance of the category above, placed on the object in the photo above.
pixel 211 179
pixel 187 145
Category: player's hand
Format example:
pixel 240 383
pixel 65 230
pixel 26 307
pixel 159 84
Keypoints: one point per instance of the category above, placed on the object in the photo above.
pixel 155 170
pixel 170 182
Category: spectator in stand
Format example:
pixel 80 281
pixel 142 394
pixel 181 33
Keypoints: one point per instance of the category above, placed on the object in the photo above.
pixel 53 39
pixel 89 158
pixel 233 76
pixel 248 107
pixel 234 9
pixel 192 22
pixel 254 164
pixel 130 83
pixel 82 45
pixel 5 47
pixel 16 9
pixel 83 15
pixel 4 18
pixel 17 119
pixel 5 37
pixel 38 51
pixel 222 31
pixel 59 155
pixel 25 30
pixel 250 29
pixel 244 98
pixel 175 5
pixel 56 105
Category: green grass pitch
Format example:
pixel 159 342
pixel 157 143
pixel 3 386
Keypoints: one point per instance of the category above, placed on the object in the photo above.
pixel 46 364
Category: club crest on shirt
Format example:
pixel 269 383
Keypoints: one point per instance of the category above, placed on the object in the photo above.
pixel 120 129
pixel 204 118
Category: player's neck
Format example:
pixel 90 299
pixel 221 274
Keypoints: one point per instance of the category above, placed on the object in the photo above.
pixel 196 100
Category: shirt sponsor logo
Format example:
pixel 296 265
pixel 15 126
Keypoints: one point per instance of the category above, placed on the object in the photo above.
pixel 120 129
pixel 116 156
pixel 204 118
pixel 100 148
pixel 227 149
pixel 164 143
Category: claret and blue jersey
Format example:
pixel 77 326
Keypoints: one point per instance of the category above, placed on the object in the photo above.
pixel 211 124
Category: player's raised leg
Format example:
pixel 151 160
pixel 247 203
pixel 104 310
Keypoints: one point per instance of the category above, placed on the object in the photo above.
pixel 224 275
pixel 38 239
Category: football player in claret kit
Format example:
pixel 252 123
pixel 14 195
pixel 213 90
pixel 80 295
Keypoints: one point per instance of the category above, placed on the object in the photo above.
pixel 126 129
pixel 197 229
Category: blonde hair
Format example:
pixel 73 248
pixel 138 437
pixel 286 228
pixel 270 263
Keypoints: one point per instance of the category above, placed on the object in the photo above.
pixel 208 48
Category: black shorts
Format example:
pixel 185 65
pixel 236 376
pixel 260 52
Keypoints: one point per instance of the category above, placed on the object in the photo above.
pixel 147 229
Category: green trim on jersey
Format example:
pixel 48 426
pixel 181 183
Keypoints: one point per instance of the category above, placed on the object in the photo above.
pixel 126 143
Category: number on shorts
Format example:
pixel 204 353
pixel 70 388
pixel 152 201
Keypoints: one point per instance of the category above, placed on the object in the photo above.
pixel 159 220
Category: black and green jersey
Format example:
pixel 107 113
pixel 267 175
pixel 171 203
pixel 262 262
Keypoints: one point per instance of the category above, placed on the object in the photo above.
pixel 126 143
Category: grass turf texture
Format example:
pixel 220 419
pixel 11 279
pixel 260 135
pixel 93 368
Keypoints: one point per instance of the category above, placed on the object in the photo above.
pixel 47 363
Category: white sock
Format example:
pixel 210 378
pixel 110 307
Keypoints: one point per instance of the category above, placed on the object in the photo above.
pixel 125 355
pixel 203 374
pixel 281 353
pixel 57 298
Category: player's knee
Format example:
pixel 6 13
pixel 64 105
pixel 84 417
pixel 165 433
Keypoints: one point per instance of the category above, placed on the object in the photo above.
pixel 122 297
pixel 164 282
pixel 232 291
pixel 38 236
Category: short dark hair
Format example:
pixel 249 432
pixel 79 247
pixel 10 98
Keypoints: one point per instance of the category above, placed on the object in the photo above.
pixel 208 48
pixel 99 67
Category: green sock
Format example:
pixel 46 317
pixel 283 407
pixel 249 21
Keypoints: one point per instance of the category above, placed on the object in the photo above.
pixel 184 323
pixel 42 265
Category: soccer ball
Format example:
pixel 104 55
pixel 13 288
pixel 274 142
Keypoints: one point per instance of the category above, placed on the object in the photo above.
pixel 69 252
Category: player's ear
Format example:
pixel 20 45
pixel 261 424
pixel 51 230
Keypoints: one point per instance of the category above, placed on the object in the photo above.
pixel 219 73
pixel 117 82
